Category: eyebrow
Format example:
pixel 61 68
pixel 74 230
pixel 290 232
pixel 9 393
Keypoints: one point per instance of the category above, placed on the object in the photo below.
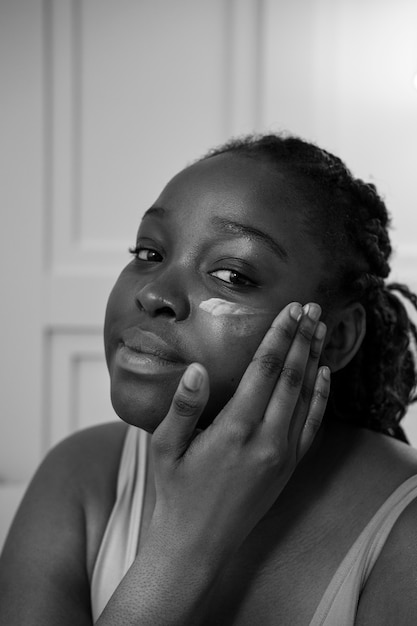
pixel 243 230
pixel 154 210
pixel 236 228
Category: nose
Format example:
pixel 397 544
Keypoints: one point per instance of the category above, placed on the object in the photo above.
pixel 163 297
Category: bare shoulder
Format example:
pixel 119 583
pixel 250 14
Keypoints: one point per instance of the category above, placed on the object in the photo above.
pixel 79 471
pixel 380 463
pixel 390 594
pixel 45 558
pixel 89 445
pixel 90 456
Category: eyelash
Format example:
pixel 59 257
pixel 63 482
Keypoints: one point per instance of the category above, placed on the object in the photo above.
pixel 136 250
pixel 244 280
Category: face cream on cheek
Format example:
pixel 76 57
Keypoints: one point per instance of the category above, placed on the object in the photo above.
pixel 217 306
pixel 240 320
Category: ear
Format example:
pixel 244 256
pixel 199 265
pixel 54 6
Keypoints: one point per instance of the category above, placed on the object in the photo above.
pixel 345 333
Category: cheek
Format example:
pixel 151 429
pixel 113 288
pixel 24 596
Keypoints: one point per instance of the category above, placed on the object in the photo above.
pixel 232 329
pixel 110 322
pixel 119 304
pixel 234 319
pixel 229 342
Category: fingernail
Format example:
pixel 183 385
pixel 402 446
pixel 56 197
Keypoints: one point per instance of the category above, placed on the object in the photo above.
pixel 296 311
pixel 192 378
pixel 313 311
pixel 325 372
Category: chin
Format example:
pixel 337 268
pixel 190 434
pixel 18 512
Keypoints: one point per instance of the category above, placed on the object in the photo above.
pixel 146 405
pixel 145 413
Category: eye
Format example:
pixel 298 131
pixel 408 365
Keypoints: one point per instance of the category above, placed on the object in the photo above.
pixel 231 277
pixel 146 254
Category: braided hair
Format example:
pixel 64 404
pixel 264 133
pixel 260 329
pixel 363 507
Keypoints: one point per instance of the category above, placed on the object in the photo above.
pixel 350 222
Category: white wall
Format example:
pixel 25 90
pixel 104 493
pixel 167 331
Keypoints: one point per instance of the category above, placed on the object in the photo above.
pixel 340 72
pixel 103 100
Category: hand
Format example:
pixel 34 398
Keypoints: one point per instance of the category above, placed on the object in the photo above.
pixel 213 486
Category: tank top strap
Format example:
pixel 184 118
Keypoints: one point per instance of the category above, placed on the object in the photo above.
pixel 119 545
pixel 339 602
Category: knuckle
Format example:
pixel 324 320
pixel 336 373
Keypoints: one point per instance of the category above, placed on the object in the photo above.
pixel 159 445
pixel 305 393
pixel 272 454
pixel 269 364
pixel 315 353
pixel 239 434
pixel 291 376
pixel 313 424
pixel 306 333
pixel 285 333
pixel 269 456
pixel 320 394
pixel 183 405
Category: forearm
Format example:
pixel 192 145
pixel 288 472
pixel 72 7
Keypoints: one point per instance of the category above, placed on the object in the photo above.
pixel 168 584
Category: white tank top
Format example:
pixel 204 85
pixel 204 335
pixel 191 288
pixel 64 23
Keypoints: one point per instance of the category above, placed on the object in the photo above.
pixel 119 546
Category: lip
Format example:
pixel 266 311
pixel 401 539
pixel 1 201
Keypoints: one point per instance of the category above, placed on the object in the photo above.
pixel 143 352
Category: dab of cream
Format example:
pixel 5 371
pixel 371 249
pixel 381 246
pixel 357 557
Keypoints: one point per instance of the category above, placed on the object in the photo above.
pixel 217 306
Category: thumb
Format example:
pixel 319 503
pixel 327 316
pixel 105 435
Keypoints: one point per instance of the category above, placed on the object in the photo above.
pixel 176 430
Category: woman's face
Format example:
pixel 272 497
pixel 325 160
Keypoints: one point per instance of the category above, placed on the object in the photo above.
pixel 219 254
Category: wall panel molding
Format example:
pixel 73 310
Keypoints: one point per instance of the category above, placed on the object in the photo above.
pixel 105 80
pixel 76 384
pixel 244 59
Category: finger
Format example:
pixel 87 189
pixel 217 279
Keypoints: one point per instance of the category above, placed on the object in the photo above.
pixel 316 411
pixel 258 382
pixel 176 430
pixel 307 387
pixel 281 409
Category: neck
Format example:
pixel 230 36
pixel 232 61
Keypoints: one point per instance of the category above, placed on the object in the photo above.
pixel 317 471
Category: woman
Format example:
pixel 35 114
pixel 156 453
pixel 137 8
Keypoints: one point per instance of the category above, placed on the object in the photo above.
pixel 258 270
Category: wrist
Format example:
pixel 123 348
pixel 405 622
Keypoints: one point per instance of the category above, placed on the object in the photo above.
pixel 182 541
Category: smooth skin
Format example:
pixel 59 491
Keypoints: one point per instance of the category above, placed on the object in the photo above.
pixel 266 450
pixel 186 255
pixel 247 520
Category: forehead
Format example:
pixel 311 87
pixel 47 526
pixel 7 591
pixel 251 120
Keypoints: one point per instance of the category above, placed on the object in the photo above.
pixel 233 185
